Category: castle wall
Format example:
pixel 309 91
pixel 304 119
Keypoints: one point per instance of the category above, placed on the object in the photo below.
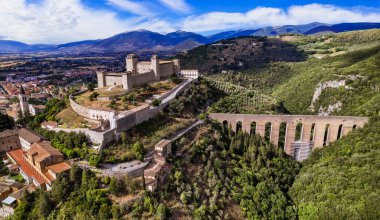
pixel 144 67
pixel 95 137
pixel 113 80
pixel 139 79
pixel 166 69
pixel 92 113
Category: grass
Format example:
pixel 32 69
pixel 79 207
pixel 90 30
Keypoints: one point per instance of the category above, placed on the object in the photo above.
pixel 68 118
pixel 142 94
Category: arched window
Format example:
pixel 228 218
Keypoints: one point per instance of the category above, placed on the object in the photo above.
pixel 340 130
pixel 268 130
pixel 253 128
pixel 354 127
pixel 239 126
pixel 299 129
pixel 312 132
pixel 282 135
pixel 325 139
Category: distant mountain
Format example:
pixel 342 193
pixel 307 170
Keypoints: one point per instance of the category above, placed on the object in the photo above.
pixel 8 46
pixel 143 40
pixel 230 34
pixel 336 28
pixel 287 29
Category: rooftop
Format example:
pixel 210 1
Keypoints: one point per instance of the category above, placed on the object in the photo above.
pixel 42 150
pixel 59 167
pixel 18 156
pixel 29 135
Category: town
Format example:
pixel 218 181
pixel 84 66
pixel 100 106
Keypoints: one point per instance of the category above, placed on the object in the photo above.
pixel 189 110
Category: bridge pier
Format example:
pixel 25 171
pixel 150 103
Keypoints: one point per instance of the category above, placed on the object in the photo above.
pixel 291 121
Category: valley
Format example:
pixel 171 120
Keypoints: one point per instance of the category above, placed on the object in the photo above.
pixel 246 108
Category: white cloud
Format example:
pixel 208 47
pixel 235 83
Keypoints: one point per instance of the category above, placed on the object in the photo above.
pixel 132 7
pixel 177 5
pixel 60 21
pixel 266 16
pixel 57 21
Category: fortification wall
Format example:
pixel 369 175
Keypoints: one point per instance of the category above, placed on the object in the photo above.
pixel 97 138
pixel 92 113
pixel 143 67
pixel 140 79
pixel 166 69
pixel 113 80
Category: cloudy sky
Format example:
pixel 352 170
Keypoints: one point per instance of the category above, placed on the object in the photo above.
pixel 60 21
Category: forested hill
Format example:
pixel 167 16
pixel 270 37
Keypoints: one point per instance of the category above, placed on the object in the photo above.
pixel 239 54
pixel 342 181
pixel 341 75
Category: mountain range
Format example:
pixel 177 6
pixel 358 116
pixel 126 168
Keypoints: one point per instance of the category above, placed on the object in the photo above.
pixel 144 40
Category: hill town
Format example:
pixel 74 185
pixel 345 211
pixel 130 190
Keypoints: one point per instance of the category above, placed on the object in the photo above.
pixel 277 122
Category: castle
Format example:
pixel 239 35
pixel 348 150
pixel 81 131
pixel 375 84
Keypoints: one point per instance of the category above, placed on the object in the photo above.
pixel 141 72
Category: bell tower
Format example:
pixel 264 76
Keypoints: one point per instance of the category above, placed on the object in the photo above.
pixel 24 105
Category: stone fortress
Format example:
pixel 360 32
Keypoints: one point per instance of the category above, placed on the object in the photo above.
pixel 113 122
pixel 141 72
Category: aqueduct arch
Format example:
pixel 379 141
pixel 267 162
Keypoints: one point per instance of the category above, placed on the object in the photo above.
pixel 313 127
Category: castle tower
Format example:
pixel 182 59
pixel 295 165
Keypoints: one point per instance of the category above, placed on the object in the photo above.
pixel 155 62
pixel 177 66
pixel 23 101
pixel 101 79
pixel 131 64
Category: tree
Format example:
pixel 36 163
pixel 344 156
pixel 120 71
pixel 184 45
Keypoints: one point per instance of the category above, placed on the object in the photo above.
pixel 183 198
pixel 161 212
pixel 112 104
pixel 116 186
pixel 123 137
pixel 156 102
pixel 6 122
pixel 90 87
pixel 138 150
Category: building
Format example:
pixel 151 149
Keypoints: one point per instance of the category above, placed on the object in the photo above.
pixel 39 165
pixel 9 140
pixel 49 124
pixel 15 139
pixel 25 107
pixel 139 73
pixel 156 172
pixel 28 137
pixel 163 147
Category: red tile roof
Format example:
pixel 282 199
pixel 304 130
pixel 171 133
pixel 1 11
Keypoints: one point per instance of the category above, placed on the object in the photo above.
pixel 18 157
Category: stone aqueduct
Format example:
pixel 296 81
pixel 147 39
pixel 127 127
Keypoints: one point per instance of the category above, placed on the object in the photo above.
pixel 319 130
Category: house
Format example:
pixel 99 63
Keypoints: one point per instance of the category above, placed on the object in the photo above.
pixel 49 124
pixel 15 139
pixel 163 147
pixel 28 137
pixel 39 165
pixel 156 172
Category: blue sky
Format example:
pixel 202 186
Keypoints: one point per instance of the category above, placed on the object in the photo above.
pixel 59 21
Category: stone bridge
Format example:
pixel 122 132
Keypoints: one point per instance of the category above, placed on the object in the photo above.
pixel 316 130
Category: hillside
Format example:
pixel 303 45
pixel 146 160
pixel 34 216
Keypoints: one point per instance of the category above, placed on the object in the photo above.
pixel 239 54
pixel 341 181
pixel 343 83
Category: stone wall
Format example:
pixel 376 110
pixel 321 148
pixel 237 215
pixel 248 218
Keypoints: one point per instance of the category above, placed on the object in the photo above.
pixel 139 79
pixel 166 69
pixel 143 67
pixel 92 113
pixel 338 126
pixel 113 80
